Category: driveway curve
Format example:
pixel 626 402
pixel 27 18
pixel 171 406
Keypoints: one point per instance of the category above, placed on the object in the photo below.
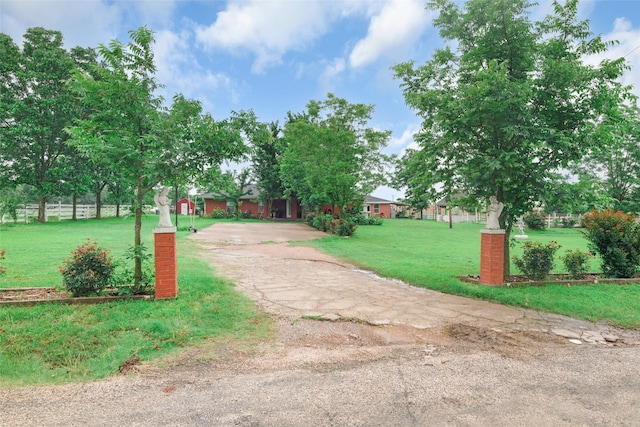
pixel 297 281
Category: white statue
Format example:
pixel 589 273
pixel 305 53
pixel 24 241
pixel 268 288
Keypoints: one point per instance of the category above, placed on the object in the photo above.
pixel 163 203
pixel 493 213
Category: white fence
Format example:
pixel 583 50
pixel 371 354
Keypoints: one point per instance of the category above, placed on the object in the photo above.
pixel 60 212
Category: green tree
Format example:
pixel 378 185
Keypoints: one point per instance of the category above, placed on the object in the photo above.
pixel 418 191
pixel 265 165
pixel 614 161
pixel 511 104
pixel 147 142
pixel 332 156
pixel 36 106
pixel 232 186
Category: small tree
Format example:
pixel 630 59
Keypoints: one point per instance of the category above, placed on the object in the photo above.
pixel 131 129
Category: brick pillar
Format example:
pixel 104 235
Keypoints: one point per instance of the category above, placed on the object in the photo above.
pixel 166 262
pixel 492 257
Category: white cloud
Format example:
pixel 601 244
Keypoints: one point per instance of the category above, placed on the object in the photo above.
pixel 628 47
pixel 332 70
pixel 394 29
pixel 406 139
pixel 266 28
pixel 82 23
pixel 178 66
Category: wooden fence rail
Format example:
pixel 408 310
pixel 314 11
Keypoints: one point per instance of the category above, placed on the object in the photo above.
pixel 61 212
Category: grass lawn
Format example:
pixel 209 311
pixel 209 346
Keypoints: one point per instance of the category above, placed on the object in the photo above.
pixel 55 343
pixel 430 254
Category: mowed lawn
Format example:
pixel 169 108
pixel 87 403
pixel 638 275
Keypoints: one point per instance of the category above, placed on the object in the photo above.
pixel 431 255
pixel 55 343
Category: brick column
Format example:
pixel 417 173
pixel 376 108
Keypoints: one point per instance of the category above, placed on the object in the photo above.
pixel 492 257
pixel 166 262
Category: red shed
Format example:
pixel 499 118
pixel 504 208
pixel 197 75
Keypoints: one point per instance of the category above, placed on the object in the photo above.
pixel 186 206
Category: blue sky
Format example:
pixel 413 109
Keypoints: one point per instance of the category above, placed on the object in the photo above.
pixel 274 56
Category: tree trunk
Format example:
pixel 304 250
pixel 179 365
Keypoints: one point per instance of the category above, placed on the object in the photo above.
pixel 74 201
pixel 507 258
pixel 42 206
pixel 137 274
pixel 118 210
pixel 99 204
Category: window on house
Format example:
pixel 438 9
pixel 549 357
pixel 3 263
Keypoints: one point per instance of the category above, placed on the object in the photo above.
pixel 231 207
pixel 376 209
pixel 260 206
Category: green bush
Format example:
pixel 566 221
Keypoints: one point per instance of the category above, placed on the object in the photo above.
pixel 343 226
pixel 577 263
pixel 568 222
pixel 360 219
pixel 615 236
pixel 218 213
pixel 88 271
pixel 537 259
pixel 534 221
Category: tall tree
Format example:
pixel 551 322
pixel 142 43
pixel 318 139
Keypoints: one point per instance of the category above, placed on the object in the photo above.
pixel 147 142
pixel 614 160
pixel 36 106
pixel 232 186
pixel 265 163
pixel 512 103
pixel 419 191
pixel 332 156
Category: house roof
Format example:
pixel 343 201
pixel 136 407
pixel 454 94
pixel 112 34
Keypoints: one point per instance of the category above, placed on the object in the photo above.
pixel 378 201
pixel 251 190
pixel 455 198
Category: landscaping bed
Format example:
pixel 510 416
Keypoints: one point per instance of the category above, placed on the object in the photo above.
pixel 554 279
pixel 31 296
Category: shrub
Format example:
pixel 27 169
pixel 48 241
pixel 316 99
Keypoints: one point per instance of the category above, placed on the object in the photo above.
pixel 568 222
pixel 534 221
pixel 343 226
pixel 537 259
pixel 322 222
pixel 577 262
pixel 88 271
pixel 218 213
pixel 615 236
pixel 361 219
pixel 246 214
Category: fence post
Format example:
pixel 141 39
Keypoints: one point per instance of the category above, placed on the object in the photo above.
pixel 59 210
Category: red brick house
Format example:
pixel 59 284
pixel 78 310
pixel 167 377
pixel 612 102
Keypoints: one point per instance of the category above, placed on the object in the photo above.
pixel 374 207
pixel 288 208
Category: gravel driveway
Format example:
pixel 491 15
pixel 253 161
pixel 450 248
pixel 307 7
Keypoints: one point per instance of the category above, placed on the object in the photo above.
pixel 386 354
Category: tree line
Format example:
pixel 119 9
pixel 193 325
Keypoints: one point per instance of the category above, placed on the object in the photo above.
pixel 509 108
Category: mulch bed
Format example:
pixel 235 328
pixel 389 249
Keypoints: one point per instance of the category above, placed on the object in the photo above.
pixel 30 296
pixel 554 279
